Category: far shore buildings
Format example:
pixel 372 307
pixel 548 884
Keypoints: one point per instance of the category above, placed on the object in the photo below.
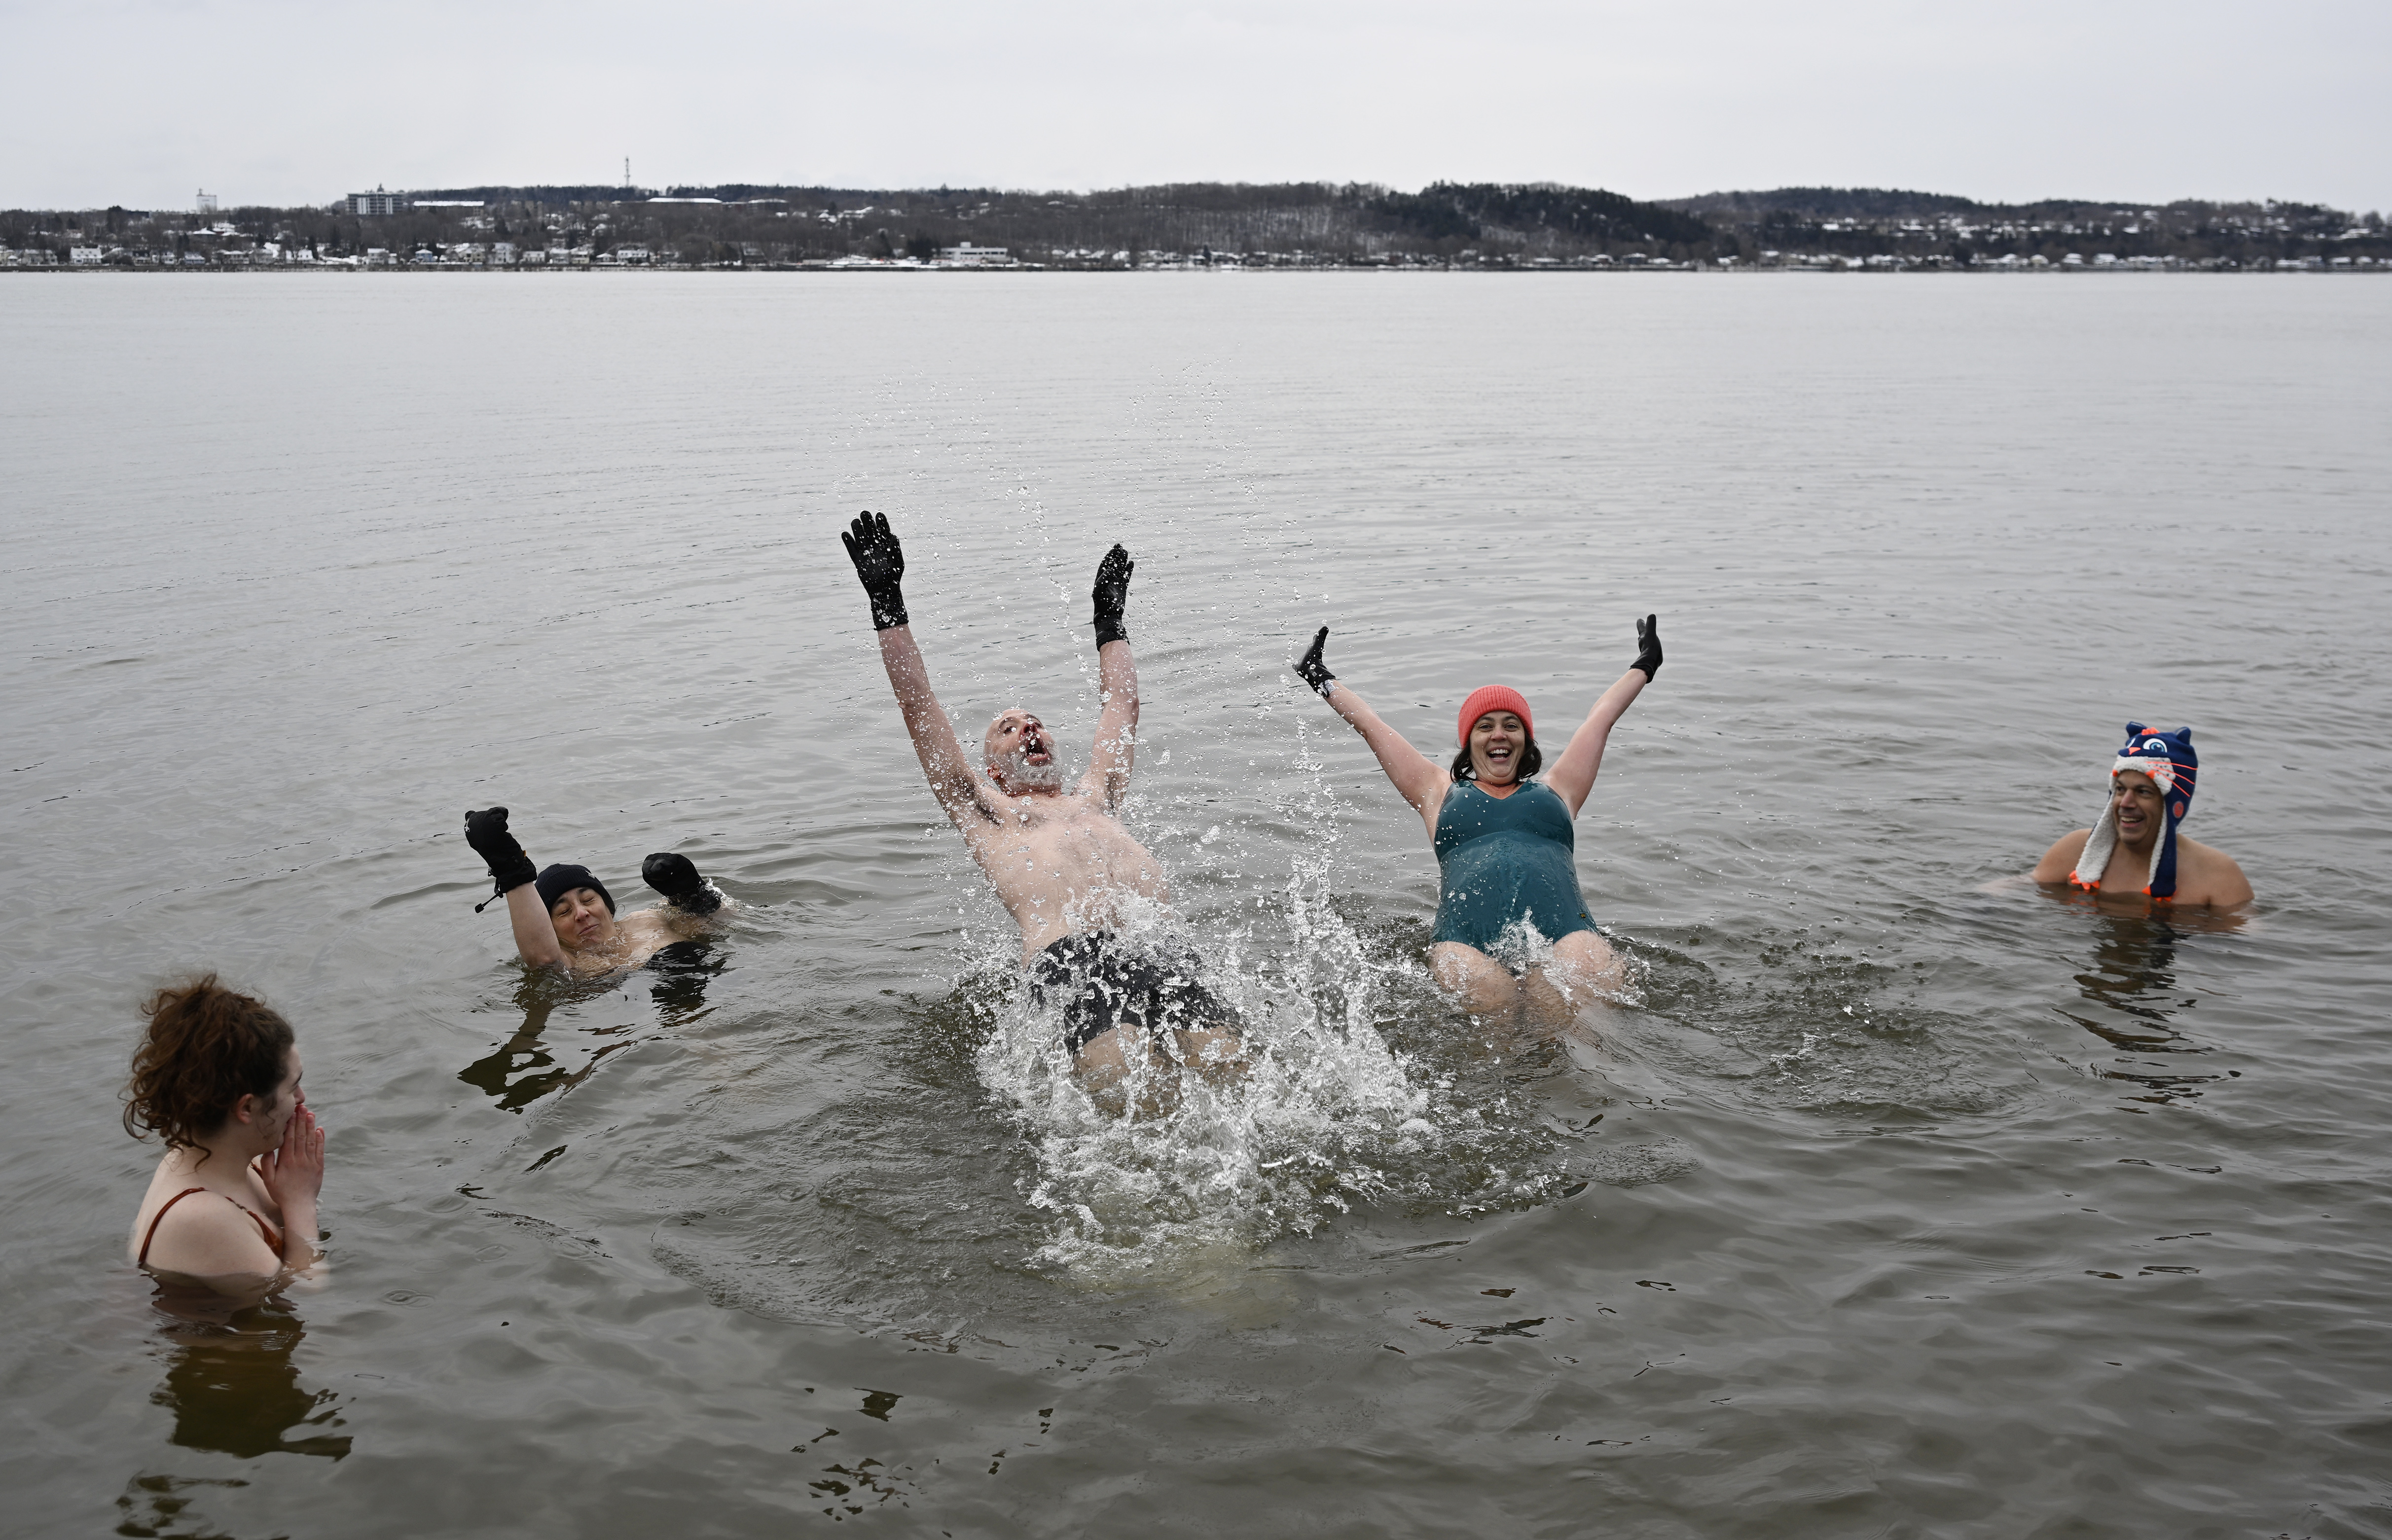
pixel 689 229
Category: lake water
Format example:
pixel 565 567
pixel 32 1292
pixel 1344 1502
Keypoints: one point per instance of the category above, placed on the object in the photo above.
pixel 1908 1201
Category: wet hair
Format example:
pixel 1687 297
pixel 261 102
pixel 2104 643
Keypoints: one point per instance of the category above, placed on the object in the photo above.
pixel 206 1048
pixel 1532 760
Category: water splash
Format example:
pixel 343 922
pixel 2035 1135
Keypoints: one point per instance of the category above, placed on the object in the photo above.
pixel 1328 1114
pixel 1366 1087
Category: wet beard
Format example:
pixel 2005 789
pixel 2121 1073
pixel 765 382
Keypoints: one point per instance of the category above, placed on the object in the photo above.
pixel 1022 775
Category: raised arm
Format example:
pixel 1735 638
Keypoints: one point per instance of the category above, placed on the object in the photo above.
pixel 512 873
pixel 1573 775
pixel 1116 745
pixel 1421 779
pixel 880 566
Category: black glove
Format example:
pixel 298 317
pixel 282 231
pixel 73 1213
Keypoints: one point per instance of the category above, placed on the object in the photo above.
pixel 1311 671
pixel 486 832
pixel 676 877
pixel 880 565
pixel 1648 646
pixel 1112 593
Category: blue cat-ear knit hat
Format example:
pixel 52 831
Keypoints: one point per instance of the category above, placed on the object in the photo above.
pixel 2168 759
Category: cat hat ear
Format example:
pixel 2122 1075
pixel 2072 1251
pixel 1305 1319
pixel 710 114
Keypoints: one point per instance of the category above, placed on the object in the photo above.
pixel 2168 759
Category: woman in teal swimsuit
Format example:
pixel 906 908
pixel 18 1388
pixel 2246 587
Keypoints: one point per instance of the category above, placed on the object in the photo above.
pixel 1502 840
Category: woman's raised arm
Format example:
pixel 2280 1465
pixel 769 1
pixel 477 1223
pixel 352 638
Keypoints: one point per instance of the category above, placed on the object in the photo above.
pixel 1572 776
pixel 1421 779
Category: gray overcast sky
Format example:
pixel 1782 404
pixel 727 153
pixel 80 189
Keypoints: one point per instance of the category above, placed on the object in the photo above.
pixel 141 101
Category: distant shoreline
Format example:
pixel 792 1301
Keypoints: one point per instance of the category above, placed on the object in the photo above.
pixel 1310 226
pixel 429 270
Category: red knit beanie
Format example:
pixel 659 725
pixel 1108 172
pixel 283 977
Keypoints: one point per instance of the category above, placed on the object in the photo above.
pixel 1492 697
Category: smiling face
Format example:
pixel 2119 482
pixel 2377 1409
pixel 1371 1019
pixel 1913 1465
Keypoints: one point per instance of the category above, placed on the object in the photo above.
pixel 1021 754
pixel 1496 742
pixel 2136 797
pixel 583 920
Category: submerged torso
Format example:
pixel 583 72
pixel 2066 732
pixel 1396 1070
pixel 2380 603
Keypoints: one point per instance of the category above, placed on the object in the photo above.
pixel 638 936
pixel 1503 860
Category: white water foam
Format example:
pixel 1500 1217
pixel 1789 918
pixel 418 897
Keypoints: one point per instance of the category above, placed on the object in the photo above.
pixel 1325 1107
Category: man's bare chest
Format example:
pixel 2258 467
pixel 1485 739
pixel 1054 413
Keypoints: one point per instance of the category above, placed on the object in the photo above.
pixel 1071 844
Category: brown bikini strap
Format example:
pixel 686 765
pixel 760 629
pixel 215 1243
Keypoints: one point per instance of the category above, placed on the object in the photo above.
pixel 143 1260
pixel 265 1231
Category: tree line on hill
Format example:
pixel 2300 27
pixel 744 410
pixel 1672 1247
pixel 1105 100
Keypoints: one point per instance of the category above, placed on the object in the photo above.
pixel 1308 223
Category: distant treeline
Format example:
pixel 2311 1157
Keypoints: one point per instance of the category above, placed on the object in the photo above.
pixel 1301 223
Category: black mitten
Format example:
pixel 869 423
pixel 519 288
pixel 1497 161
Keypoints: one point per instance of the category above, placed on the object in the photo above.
pixel 1311 670
pixel 486 832
pixel 1648 646
pixel 676 876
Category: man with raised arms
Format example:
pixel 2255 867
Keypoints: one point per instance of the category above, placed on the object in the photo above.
pixel 2133 848
pixel 1061 863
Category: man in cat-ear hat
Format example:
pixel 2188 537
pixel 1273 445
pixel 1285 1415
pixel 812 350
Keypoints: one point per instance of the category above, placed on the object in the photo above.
pixel 2134 847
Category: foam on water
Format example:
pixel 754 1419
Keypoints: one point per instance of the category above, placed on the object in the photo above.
pixel 1325 1107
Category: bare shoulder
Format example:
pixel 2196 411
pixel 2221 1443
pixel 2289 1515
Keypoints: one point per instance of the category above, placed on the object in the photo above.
pixel 2060 860
pixel 207 1236
pixel 1433 800
pixel 2216 878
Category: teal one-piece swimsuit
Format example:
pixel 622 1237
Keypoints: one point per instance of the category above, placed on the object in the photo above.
pixel 1504 858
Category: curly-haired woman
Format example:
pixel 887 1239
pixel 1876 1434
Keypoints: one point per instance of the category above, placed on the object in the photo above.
pixel 233 1203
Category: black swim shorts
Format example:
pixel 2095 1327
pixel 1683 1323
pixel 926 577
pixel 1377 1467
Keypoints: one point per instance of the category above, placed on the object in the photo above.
pixel 1105 983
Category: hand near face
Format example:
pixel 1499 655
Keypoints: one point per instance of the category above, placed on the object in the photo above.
pixel 295 1172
